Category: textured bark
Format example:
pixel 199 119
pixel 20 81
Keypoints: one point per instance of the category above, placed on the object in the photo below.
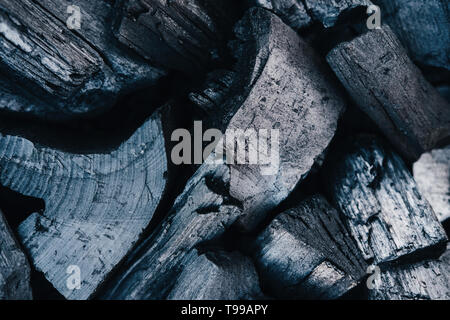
pixel 307 252
pixel 14 268
pixel 383 81
pixel 56 73
pixel 387 216
pixel 299 14
pixel 432 175
pixel 422 27
pixel 186 35
pixel 425 280
pixel 218 276
pixel 280 65
pixel 96 204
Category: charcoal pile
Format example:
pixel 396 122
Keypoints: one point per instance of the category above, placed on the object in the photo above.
pixel 224 149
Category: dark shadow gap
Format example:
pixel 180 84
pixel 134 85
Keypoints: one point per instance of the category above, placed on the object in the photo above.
pixel 100 134
pixel 17 207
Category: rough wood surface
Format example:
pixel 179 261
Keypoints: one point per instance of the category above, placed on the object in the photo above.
pixel 432 175
pixel 383 81
pixel 56 73
pixel 292 12
pixel 327 12
pixel 217 196
pixel 299 14
pixel 14 268
pixel 96 205
pixel 201 213
pixel 385 212
pixel 425 280
pixel 423 27
pixel 307 252
pixel 186 35
pixel 281 65
pixel 218 276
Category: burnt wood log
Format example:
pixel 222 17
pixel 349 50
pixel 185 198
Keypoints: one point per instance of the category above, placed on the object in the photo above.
pixel 186 35
pixel 14 267
pixel 424 280
pixel 218 276
pixel 386 214
pixel 96 205
pixel 57 73
pixel 432 175
pixel 307 253
pixel 422 27
pixel 385 84
pixel 278 65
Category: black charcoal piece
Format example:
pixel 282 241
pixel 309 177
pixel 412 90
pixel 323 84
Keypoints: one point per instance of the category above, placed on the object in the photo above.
pixel 96 205
pixel 308 253
pixel 51 71
pixel 386 85
pixel 386 214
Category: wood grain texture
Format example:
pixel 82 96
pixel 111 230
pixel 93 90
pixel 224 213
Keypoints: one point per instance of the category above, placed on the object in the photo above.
pixel 287 88
pixel 383 81
pixel 52 72
pixel 307 253
pixel 218 276
pixel 422 27
pixel 185 35
pixel 424 280
pixel 386 214
pixel 201 213
pixel 96 205
pixel 432 175
pixel 219 194
pixel 14 267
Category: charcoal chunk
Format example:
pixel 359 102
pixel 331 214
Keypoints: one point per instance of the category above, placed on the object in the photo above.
pixel 432 175
pixel 218 276
pixel 307 252
pixel 386 214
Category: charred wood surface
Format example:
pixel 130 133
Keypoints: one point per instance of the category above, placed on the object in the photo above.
pixel 432 175
pixel 300 14
pixel 14 267
pixel 424 280
pixel 219 194
pixel 387 215
pixel 187 35
pixel 51 71
pixel 307 252
pixel 200 214
pixel 218 276
pixel 287 88
pixel 422 27
pixel 379 76
pixel 96 205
